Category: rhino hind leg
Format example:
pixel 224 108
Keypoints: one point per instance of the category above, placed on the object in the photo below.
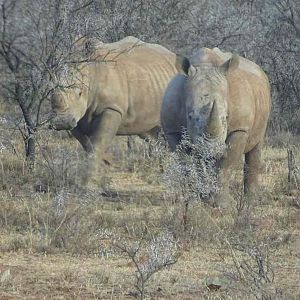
pixel 151 134
pixel 148 136
pixel 251 169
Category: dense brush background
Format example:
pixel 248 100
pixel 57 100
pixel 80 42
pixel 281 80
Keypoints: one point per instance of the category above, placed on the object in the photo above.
pixel 144 233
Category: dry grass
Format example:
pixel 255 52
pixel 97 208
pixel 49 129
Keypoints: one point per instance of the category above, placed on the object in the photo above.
pixel 50 244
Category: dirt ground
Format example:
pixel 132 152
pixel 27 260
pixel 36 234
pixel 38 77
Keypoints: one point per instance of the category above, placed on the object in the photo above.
pixel 50 247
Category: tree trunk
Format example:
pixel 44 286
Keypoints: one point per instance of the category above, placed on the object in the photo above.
pixel 29 138
pixel 30 150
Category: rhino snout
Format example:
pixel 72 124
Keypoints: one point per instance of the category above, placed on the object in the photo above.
pixel 196 127
pixel 63 123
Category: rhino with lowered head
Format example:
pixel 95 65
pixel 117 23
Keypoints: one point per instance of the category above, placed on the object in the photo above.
pixel 120 93
pixel 223 96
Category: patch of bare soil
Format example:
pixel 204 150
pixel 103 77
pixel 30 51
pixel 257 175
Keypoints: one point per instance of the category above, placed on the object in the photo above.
pixel 51 248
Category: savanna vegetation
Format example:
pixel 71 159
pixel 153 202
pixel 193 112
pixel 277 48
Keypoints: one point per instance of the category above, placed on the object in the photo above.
pixel 144 233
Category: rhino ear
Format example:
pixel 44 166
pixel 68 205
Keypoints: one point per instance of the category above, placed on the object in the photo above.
pixel 230 65
pixel 182 64
pixel 192 71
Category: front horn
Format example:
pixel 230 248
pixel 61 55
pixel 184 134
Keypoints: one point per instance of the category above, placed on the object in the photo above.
pixel 214 126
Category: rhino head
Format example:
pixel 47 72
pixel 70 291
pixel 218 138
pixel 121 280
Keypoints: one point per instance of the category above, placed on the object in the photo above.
pixel 206 94
pixel 68 107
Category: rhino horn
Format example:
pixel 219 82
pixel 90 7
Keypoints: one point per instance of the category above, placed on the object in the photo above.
pixel 214 126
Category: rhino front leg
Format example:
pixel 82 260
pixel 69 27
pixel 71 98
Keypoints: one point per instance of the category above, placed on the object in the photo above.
pixel 173 139
pixel 252 169
pixel 83 139
pixel 236 143
pixel 104 129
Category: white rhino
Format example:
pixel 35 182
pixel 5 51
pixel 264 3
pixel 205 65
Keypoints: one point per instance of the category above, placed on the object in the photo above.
pixel 223 96
pixel 120 93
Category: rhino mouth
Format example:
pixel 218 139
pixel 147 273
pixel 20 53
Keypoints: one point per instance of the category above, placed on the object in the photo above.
pixel 63 123
pixel 210 124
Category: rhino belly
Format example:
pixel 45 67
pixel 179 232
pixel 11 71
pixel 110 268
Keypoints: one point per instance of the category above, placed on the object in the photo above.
pixel 142 122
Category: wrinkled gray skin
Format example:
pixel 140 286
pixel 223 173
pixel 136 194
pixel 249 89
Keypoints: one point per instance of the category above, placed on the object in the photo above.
pixel 227 100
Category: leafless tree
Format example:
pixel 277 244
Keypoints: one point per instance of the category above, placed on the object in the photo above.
pixel 38 44
pixel 153 21
pixel 37 49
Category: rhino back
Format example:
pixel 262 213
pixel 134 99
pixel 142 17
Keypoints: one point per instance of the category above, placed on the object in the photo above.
pixel 133 84
pixel 130 48
pixel 244 64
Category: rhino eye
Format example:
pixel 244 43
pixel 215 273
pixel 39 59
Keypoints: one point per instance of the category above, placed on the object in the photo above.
pixel 205 110
pixel 78 92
